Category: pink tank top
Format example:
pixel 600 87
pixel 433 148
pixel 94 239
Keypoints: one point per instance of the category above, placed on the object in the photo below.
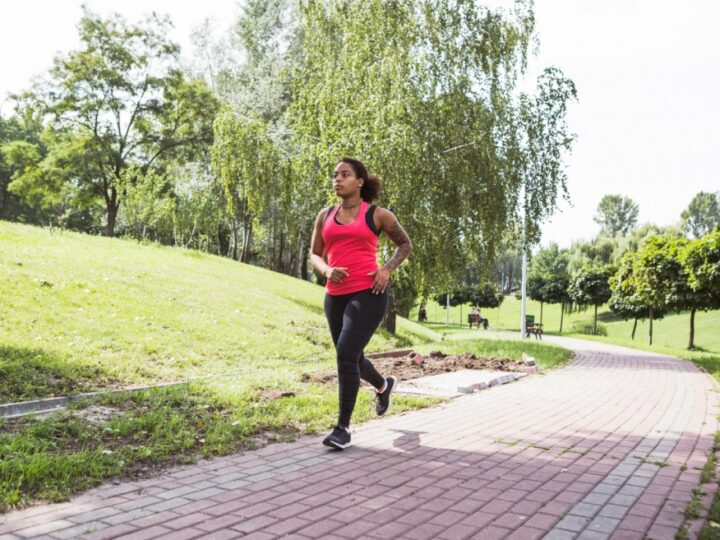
pixel 352 246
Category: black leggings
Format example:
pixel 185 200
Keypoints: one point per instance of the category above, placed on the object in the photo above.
pixel 353 319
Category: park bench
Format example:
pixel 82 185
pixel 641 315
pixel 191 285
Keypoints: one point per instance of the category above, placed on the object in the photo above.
pixel 535 329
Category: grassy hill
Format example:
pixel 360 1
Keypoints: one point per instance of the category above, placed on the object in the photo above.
pixel 82 312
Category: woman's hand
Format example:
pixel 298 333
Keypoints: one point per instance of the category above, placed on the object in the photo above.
pixel 382 278
pixel 336 274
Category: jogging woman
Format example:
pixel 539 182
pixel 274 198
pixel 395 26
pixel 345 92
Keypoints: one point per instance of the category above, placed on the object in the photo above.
pixel 343 249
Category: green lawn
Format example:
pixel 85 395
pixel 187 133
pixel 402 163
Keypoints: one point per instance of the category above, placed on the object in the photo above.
pixel 670 333
pixel 83 312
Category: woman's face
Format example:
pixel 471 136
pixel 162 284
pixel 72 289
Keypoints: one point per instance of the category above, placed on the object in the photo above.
pixel 345 181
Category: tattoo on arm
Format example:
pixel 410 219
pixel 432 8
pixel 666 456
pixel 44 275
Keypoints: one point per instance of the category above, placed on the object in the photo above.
pixel 400 238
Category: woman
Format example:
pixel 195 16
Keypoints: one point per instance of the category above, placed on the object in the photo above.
pixel 356 290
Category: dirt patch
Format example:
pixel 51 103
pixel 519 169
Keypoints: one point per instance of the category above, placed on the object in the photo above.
pixel 97 414
pixel 319 378
pixel 272 395
pixel 415 365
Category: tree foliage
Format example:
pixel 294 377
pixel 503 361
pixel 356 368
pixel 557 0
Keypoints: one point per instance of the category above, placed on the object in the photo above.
pixel 616 215
pixel 115 107
pixel 427 101
pixel 486 296
pixel 590 287
pixel 702 214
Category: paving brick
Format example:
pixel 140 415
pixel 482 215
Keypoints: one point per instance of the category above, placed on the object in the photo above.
pixel 321 528
pixel 185 534
pixel 458 532
pixel 109 532
pixel 145 534
pixel 217 523
pixel 254 524
pixel 45 528
pixel 604 524
pixel 573 523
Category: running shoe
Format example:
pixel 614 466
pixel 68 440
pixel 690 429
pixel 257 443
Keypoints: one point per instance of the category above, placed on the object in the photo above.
pixel 339 438
pixel 383 400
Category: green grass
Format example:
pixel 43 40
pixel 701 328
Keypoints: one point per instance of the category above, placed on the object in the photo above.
pixel 671 332
pixel 83 312
pixel 70 451
pixel 670 335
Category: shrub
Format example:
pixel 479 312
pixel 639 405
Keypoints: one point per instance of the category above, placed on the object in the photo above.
pixel 587 328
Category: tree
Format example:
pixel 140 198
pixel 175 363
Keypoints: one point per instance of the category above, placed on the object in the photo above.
pixel 536 290
pixel 659 278
pixel 115 107
pixel 700 260
pixel 556 292
pixel 548 281
pixel 702 214
pixel 486 296
pixel 682 296
pixel 625 302
pixel 20 147
pixel 590 287
pixel 507 268
pixel 616 215
pixel 430 106
pixel 246 160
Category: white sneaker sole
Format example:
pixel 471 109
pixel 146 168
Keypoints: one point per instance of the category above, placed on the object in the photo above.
pixel 333 444
pixel 392 389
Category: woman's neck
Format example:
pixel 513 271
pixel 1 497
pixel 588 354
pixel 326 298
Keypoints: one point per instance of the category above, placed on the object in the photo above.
pixel 351 202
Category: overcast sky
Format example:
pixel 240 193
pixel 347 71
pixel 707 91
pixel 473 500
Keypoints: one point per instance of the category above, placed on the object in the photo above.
pixel 647 72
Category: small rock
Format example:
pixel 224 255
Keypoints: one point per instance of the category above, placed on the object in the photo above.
pixel 417 360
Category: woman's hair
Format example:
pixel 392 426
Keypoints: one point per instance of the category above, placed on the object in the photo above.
pixel 372 186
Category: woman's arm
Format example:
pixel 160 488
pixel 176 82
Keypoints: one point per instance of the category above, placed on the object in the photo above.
pixel 317 253
pixel 387 223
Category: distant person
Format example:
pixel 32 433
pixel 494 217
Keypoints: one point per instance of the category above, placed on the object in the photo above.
pixel 343 249
pixel 422 313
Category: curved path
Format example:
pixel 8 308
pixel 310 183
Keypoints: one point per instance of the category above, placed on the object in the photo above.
pixel 609 447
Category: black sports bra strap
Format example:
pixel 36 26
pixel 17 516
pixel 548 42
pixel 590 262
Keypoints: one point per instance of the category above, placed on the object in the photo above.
pixel 327 214
pixel 369 213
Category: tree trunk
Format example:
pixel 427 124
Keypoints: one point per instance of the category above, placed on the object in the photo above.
pixel 247 242
pixel 650 330
pixel 691 345
pixel 595 322
pixel 634 328
pixel 388 322
pixel 541 311
pixel 562 312
pixel 304 250
pixel 112 212
pixel 234 240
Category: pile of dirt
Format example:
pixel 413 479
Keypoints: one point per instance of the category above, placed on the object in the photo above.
pixel 414 365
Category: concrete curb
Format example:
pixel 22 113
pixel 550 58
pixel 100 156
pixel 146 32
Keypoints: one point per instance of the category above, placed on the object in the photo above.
pixel 47 405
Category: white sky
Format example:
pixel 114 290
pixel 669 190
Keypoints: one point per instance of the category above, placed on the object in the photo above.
pixel 647 73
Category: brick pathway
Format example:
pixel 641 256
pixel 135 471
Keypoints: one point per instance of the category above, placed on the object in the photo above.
pixel 609 447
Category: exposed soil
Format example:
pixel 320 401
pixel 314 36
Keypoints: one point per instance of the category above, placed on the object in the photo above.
pixel 414 366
